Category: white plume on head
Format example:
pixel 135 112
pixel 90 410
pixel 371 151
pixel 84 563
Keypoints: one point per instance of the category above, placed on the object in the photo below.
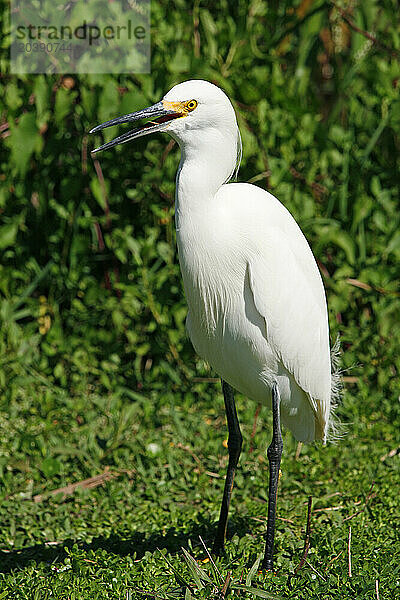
pixel 239 153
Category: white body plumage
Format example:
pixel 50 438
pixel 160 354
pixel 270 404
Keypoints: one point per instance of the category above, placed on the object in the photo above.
pixel 257 306
pixel 257 309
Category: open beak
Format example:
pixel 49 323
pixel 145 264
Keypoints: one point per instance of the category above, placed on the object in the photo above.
pixel 159 114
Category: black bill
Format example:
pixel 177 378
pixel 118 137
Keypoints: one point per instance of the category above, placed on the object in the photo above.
pixel 159 115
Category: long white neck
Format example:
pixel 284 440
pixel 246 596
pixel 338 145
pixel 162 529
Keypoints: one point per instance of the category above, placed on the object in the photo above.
pixel 208 159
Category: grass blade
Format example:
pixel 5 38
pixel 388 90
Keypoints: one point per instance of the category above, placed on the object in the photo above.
pixel 253 570
pixel 256 592
pixel 198 573
pixel 32 286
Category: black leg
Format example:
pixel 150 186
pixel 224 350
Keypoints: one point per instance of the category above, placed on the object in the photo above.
pixel 274 456
pixel 234 448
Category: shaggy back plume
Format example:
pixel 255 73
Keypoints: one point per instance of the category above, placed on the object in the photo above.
pixel 336 429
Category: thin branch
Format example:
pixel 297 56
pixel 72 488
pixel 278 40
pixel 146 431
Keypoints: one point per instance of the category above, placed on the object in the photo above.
pixel 349 551
pixel 167 150
pixel 333 560
pixel 307 539
pixel 366 286
pixel 253 431
pixel 100 176
pixel 226 585
pixel 298 450
pixel 85 483
pixel 328 508
pixel 84 154
pixel 210 558
pixel 366 34
pixel 320 190
pixel 99 235
pixel 315 570
pixel 390 454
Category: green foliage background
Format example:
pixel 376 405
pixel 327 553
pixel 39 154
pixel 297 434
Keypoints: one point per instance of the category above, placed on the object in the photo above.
pixel 92 309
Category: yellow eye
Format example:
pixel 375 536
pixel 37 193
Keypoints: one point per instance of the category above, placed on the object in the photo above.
pixel 191 104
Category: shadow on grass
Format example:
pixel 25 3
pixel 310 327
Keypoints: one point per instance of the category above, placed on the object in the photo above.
pixel 137 545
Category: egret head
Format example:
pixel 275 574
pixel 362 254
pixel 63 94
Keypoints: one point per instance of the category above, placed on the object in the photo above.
pixel 196 113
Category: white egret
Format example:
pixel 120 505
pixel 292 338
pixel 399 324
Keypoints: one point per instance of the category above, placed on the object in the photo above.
pixel 257 307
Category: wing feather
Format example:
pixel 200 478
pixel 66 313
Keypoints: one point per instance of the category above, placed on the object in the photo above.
pixel 287 290
pixel 289 294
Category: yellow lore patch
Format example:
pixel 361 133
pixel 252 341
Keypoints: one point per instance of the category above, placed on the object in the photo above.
pixel 182 108
pixel 178 107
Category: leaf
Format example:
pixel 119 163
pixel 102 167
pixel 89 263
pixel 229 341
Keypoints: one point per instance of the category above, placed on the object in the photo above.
pixel 50 466
pixel 197 572
pixel 394 244
pixel 13 96
pixel 340 238
pixel 24 140
pixel 176 573
pixel 63 105
pixel 253 570
pixel 180 63
pixel 32 286
pixel 41 91
pixel 256 592
pixel 8 233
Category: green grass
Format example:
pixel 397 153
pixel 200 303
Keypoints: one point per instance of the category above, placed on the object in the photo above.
pixel 97 376
pixel 166 454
